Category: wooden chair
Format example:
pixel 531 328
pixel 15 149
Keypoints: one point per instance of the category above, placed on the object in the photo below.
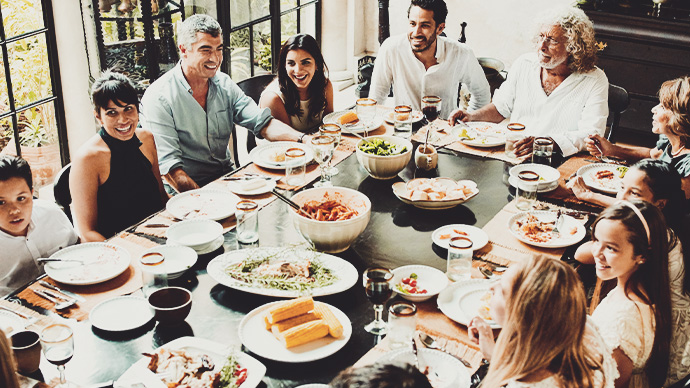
pixel 61 192
pixel 252 87
pixel 618 103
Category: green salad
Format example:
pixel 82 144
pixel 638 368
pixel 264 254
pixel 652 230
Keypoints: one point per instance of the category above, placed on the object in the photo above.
pixel 381 147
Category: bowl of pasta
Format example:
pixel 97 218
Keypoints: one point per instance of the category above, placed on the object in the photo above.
pixel 331 218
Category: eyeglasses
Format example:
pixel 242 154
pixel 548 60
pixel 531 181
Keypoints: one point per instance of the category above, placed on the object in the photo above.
pixel 549 40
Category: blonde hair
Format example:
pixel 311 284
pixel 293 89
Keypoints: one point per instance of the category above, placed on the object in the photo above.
pixel 544 328
pixel 8 376
pixel 579 30
pixel 674 95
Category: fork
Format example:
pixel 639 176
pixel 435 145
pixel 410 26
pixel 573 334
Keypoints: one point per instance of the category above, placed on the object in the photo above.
pixel 555 232
pixel 53 298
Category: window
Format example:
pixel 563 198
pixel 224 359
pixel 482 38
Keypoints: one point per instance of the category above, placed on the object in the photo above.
pixel 251 26
pixel 31 112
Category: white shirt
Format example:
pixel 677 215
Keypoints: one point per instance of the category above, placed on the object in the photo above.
pixel 577 108
pixel 49 231
pixel 396 65
pixel 303 123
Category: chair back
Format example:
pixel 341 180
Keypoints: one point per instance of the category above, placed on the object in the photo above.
pixel 618 103
pixel 63 197
pixel 253 87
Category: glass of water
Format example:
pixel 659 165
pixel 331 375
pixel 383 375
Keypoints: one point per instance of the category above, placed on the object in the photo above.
pixel 459 261
pixel 334 131
pixel 402 122
pixel 366 112
pixel 402 323
pixel 526 190
pixel 295 167
pixel 516 132
pixel 247 215
pixel 323 152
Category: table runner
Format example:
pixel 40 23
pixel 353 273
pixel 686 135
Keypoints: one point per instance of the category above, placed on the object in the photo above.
pixel 124 284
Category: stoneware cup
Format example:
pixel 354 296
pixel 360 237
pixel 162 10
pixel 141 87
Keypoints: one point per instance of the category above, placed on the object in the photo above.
pixel 26 346
pixel 426 158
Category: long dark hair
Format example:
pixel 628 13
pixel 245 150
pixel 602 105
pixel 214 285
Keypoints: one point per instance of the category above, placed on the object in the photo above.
pixel 650 281
pixel 665 183
pixel 317 86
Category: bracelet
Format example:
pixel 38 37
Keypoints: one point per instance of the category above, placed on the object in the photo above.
pixel 301 138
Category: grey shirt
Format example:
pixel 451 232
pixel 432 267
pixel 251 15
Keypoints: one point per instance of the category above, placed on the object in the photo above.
pixel 190 137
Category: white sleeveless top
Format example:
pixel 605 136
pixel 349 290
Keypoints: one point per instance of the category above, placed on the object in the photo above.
pixel 679 355
pixel 303 123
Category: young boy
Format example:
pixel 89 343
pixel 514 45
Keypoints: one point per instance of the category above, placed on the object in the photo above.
pixel 29 229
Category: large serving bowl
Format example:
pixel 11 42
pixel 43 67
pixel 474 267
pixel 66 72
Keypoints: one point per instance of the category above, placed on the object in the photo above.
pixel 332 236
pixel 385 167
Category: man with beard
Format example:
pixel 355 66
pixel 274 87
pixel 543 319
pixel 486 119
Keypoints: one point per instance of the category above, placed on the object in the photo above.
pixel 192 110
pixel 422 63
pixel 557 92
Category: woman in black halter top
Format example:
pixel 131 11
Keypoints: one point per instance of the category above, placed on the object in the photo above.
pixel 114 180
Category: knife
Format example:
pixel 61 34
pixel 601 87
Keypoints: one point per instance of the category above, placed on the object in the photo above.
pixel 68 293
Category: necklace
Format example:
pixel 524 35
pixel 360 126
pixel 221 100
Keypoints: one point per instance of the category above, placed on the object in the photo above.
pixel 674 154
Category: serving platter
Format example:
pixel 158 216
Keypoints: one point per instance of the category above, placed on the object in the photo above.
pixel 202 204
pixel 444 369
pixel 271 155
pixel 400 190
pixel 479 237
pixel 346 273
pixel 571 230
pixel 481 134
pixel 256 338
pixel 462 300
pixel 139 372
pixel 608 186
pixel 100 262
pixel 357 126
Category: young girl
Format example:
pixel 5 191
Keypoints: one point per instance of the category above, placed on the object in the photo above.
pixel 546 340
pixel 301 94
pixel 630 249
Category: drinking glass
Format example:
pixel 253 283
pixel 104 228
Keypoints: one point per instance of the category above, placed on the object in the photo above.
pixel 431 107
pixel 58 347
pixel 526 190
pixel 542 150
pixel 459 260
pixel 247 222
pixel 402 122
pixel 366 111
pixel 153 272
pixel 377 284
pixel 516 132
pixel 295 167
pixel 334 131
pixel 402 323
pixel 323 152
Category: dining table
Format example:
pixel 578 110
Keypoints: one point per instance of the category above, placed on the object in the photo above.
pixel 397 234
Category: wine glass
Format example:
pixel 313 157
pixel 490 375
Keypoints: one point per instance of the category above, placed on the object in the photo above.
pixel 431 106
pixel 366 111
pixel 323 152
pixel 334 131
pixel 377 284
pixel 58 347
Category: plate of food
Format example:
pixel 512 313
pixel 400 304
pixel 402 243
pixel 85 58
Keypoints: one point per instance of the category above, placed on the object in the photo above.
pixel 435 193
pixel 271 155
pixel 536 228
pixel 202 204
pixel 414 117
pixel 418 283
pixel 481 134
pixel 283 272
pixel 604 177
pixel 442 369
pixel 194 362
pixel 442 235
pixel 349 121
pixel 296 330
pixel 88 263
pixel 466 299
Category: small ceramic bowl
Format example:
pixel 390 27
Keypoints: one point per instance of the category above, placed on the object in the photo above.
pixel 195 234
pixel 171 305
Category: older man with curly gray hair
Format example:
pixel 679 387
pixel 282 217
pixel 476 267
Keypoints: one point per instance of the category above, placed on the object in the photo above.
pixel 557 91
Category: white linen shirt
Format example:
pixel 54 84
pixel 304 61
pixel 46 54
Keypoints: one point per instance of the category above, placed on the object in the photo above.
pixel 49 231
pixel 396 65
pixel 577 108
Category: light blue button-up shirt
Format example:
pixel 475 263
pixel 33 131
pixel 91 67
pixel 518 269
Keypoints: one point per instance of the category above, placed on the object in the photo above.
pixel 191 138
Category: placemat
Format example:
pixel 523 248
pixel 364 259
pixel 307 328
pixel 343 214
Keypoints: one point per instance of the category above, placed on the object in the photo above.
pixel 124 284
pixel 41 321
pixel 567 170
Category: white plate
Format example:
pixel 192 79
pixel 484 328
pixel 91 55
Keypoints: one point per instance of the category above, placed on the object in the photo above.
pixel 218 352
pixel 568 225
pixel 10 321
pixel 399 189
pixel 346 272
pixel 358 127
pixel 587 174
pixel 178 258
pixel 415 116
pixel 428 278
pixel 217 243
pixel 542 188
pixel 236 187
pixel 264 154
pixel 256 338
pixel 444 369
pixel 547 174
pixel 202 204
pixel 485 135
pixel 102 262
pixel 479 237
pixel 461 300
pixel 121 313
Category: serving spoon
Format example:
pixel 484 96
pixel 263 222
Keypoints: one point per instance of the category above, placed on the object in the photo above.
pixel 430 342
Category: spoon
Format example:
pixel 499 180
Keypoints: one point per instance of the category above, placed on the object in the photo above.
pixel 430 342
pixel 486 272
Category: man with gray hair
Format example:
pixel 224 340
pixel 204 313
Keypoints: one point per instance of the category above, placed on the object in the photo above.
pixel 193 108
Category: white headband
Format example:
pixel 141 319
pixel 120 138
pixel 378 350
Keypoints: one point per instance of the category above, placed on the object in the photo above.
pixel 640 216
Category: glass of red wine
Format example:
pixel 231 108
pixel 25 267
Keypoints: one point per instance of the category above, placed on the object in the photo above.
pixel 431 107
pixel 377 284
pixel 58 347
